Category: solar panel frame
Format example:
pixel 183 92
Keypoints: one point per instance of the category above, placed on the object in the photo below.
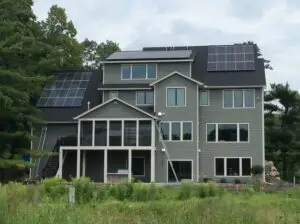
pixel 67 90
pixel 231 58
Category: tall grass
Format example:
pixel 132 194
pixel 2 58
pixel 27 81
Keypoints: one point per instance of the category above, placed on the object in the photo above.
pixel 139 203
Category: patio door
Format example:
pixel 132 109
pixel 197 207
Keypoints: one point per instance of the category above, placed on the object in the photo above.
pixel 183 170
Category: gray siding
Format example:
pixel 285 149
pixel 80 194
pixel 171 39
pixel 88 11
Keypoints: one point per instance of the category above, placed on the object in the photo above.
pixel 54 132
pixel 112 72
pixel 178 150
pixel 214 113
pixel 115 110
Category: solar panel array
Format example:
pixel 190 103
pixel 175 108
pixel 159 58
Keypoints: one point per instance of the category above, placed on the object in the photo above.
pixel 231 58
pixel 66 91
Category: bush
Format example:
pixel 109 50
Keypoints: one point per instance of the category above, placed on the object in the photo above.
pixel 223 180
pixel 214 189
pixel 84 189
pixel 185 191
pixel 202 191
pixel 122 191
pixel 206 179
pixel 54 187
pixel 140 192
pixel 249 191
pixel 257 170
pixel 237 181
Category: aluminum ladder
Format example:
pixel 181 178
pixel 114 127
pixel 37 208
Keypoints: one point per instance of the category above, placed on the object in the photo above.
pixel 41 147
pixel 166 150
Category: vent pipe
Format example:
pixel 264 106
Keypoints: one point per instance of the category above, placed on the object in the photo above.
pixel 88 105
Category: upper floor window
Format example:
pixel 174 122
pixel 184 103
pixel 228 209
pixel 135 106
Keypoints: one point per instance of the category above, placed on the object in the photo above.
pixel 176 96
pixel 204 98
pixel 176 130
pixel 227 132
pixel 138 71
pixel 144 98
pixel 238 98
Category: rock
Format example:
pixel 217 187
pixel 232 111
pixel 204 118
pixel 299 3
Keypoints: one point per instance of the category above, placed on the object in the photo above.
pixel 272 174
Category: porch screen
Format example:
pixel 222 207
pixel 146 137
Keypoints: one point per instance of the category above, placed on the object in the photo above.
pixel 144 133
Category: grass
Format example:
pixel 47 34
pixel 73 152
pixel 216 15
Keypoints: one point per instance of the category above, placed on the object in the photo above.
pixel 138 203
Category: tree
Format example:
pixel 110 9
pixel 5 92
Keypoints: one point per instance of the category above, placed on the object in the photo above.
pixel 60 33
pixel 20 80
pixel 282 121
pixel 267 63
pixel 94 53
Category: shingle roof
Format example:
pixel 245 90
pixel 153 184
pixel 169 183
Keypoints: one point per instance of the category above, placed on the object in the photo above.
pixel 139 55
pixel 228 78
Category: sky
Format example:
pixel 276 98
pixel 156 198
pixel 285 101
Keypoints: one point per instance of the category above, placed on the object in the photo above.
pixel 273 24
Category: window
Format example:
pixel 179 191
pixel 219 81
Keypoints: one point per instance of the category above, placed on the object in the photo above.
pixel 204 98
pixel 233 167
pixel 130 133
pixel 113 94
pixel 138 71
pixel 144 133
pixel 183 170
pixel 227 132
pixel 175 97
pixel 238 98
pixel 138 166
pixel 115 133
pixel 144 98
pixel 100 133
pixel 176 130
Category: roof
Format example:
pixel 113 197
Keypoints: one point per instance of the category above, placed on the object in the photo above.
pixel 60 114
pixel 111 101
pixel 224 78
pixel 124 86
pixel 176 73
pixel 146 55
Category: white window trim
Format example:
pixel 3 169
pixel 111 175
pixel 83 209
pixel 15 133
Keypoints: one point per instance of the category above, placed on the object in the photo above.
pixel 232 95
pixel 225 166
pixel 208 98
pixel 139 157
pixel 181 131
pixel 136 98
pixel 176 87
pixel 230 142
pixel 146 78
pixel 181 160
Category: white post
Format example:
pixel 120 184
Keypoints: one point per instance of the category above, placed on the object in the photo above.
pixel 60 163
pixel 152 165
pixel 78 164
pixel 105 166
pixel 294 181
pixel 153 133
pixel 129 164
pixel 83 163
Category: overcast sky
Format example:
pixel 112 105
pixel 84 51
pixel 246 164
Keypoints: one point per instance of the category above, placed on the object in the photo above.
pixel 273 24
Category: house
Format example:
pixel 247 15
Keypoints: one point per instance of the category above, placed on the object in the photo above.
pixel 161 114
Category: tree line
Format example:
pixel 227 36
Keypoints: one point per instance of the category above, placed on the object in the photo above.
pixel 30 49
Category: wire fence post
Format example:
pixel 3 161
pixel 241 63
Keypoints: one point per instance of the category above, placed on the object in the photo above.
pixel 71 194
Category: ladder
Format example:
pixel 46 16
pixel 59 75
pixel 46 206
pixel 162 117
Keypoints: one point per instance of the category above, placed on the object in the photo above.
pixel 166 150
pixel 41 147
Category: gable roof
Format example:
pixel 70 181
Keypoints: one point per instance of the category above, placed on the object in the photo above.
pixel 110 101
pixel 176 73
pixel 220 78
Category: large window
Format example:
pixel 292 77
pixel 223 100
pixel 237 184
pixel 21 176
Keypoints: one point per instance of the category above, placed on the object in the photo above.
pixel 176 130
pixel 176 96
pixel 183 170
pixel 86 133
pixel 227 132
pixel 204 98
pixel 144 98
pixel 144 133
pixel 138 71
pixel 115 133
pixel 233 167
pixel 238 98
pixel 100 133
pixel 130 133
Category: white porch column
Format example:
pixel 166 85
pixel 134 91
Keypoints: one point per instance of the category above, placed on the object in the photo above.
pixel 152 165
pixel 78 163
pixel 129 164
pixel 60 163
pixel 105 166
pixel 83 163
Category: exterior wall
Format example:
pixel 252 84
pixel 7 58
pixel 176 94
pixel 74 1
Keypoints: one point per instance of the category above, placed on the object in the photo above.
pixel 185 150
pixel 112 72
pixel 54 132
pixel 214 113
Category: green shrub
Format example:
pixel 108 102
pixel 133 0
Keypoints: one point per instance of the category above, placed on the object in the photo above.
pixel 140 192
pixel 248 190
pixel 223 180
pixel 257 169
pixel 84 189
pixel 185 191
pixel 54 187
pixel 122 191
pixel 237 181
pixel 203 190
pixel 214 189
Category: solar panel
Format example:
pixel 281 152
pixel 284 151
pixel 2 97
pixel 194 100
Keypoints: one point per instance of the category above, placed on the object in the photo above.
pixel 231 58
pixel 66 91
